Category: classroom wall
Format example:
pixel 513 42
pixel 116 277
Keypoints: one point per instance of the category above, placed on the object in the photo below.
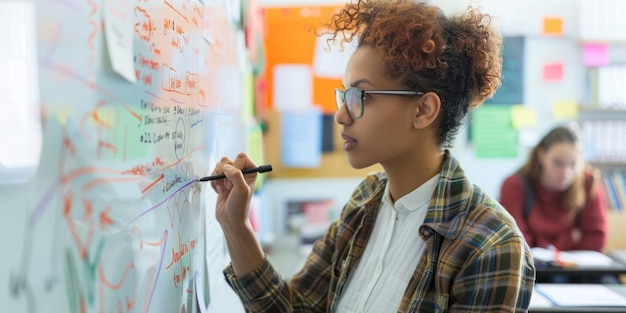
pixel 520 18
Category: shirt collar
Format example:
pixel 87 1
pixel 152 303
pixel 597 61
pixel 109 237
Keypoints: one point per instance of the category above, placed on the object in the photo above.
pixel 448 205
pixel 415 199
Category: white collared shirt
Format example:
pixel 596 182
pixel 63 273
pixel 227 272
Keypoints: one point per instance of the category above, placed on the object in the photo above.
pixel 378 282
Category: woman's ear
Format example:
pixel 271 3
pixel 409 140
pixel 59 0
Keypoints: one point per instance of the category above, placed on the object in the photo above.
pixel 427 110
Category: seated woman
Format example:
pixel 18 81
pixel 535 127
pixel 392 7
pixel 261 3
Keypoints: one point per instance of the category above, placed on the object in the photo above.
pixel 556 198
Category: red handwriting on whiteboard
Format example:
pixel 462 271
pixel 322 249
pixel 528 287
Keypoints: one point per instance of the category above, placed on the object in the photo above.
pixel 143 27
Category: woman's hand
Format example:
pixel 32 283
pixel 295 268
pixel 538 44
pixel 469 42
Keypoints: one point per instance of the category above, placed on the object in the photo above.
pixel 231 210
pixel 233 192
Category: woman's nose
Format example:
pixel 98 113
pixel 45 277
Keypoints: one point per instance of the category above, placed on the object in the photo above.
pixel 342 117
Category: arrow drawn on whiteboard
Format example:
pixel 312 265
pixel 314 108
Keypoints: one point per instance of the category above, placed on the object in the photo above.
pixel 153 183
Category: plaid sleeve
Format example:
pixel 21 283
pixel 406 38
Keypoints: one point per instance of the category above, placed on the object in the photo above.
pixel 257 288
pixel 498 278
pixel 312 289
pixel 264 289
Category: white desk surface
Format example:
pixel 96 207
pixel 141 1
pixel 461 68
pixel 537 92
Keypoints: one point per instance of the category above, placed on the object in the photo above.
pixel 540 303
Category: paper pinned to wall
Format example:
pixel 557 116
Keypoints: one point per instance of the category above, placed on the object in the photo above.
pixel 595 54
pixel 301 138
pixel 233 10
pixel 553 26
pixel 523 116
pixel 565 110
pixel 293 87
pixel 330 61
pixel 553 72
pixel 492 132
pixel 118 25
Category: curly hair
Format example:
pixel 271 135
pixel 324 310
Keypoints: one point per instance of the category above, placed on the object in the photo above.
pixel 457 57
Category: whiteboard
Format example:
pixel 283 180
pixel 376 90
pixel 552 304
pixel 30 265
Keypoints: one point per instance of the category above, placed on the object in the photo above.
pixel 138 99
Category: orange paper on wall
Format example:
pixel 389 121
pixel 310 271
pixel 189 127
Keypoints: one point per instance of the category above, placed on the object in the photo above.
pixel 291 39
pixel 553 26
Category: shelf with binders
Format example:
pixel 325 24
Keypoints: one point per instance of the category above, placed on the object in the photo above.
pixel 602 113
pixel 604 132
pixel 614 182
pixel 604 135
pixel 605 89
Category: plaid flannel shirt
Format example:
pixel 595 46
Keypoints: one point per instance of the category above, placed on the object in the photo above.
pixel 476 259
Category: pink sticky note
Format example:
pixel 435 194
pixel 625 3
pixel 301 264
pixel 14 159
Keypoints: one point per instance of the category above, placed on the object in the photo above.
pixel 553 72
pixel 595 54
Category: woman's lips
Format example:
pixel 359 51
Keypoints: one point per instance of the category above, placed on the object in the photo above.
pixel 350 142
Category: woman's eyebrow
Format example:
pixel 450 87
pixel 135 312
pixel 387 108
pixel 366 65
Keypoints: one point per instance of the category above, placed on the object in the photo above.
pixel 362 81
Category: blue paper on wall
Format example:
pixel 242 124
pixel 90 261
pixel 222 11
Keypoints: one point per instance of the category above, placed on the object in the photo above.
pixel 301 138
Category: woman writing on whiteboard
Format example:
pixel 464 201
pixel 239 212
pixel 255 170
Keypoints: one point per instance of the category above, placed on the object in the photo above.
pixel 418 237
pixel 555 197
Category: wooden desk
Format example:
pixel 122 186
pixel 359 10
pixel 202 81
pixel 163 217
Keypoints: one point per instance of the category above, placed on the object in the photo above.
pixel 542 307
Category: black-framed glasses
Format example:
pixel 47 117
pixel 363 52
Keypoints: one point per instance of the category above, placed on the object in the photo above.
pixel 352 98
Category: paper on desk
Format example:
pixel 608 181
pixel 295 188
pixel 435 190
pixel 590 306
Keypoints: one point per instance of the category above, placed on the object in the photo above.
pixel 543 254
pixel 584 258
pixel 537 300
pixel 581 295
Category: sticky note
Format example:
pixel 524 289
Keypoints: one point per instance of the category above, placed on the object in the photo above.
pixel 119 31
pixel 523 116
pixel 553 72
pixel 301 138
pixel 553 26
pixel 595 54
pixel 492 132
pixel 565 110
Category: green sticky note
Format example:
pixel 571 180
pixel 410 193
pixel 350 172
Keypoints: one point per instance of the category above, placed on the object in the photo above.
pixel 492 132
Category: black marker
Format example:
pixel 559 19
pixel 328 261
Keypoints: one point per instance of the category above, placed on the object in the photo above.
pixel 260 169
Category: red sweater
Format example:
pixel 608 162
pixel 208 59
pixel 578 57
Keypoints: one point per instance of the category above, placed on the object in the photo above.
pixel 548 221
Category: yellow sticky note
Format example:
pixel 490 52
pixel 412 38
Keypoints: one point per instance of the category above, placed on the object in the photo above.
pixel 565 110
pixel 553 26
pixel 523 117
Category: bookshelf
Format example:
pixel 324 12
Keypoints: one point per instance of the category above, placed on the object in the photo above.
pixel 603 120
pixel 602 114
pixel 604 131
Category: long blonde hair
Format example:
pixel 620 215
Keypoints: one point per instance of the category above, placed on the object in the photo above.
pixel 575 196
